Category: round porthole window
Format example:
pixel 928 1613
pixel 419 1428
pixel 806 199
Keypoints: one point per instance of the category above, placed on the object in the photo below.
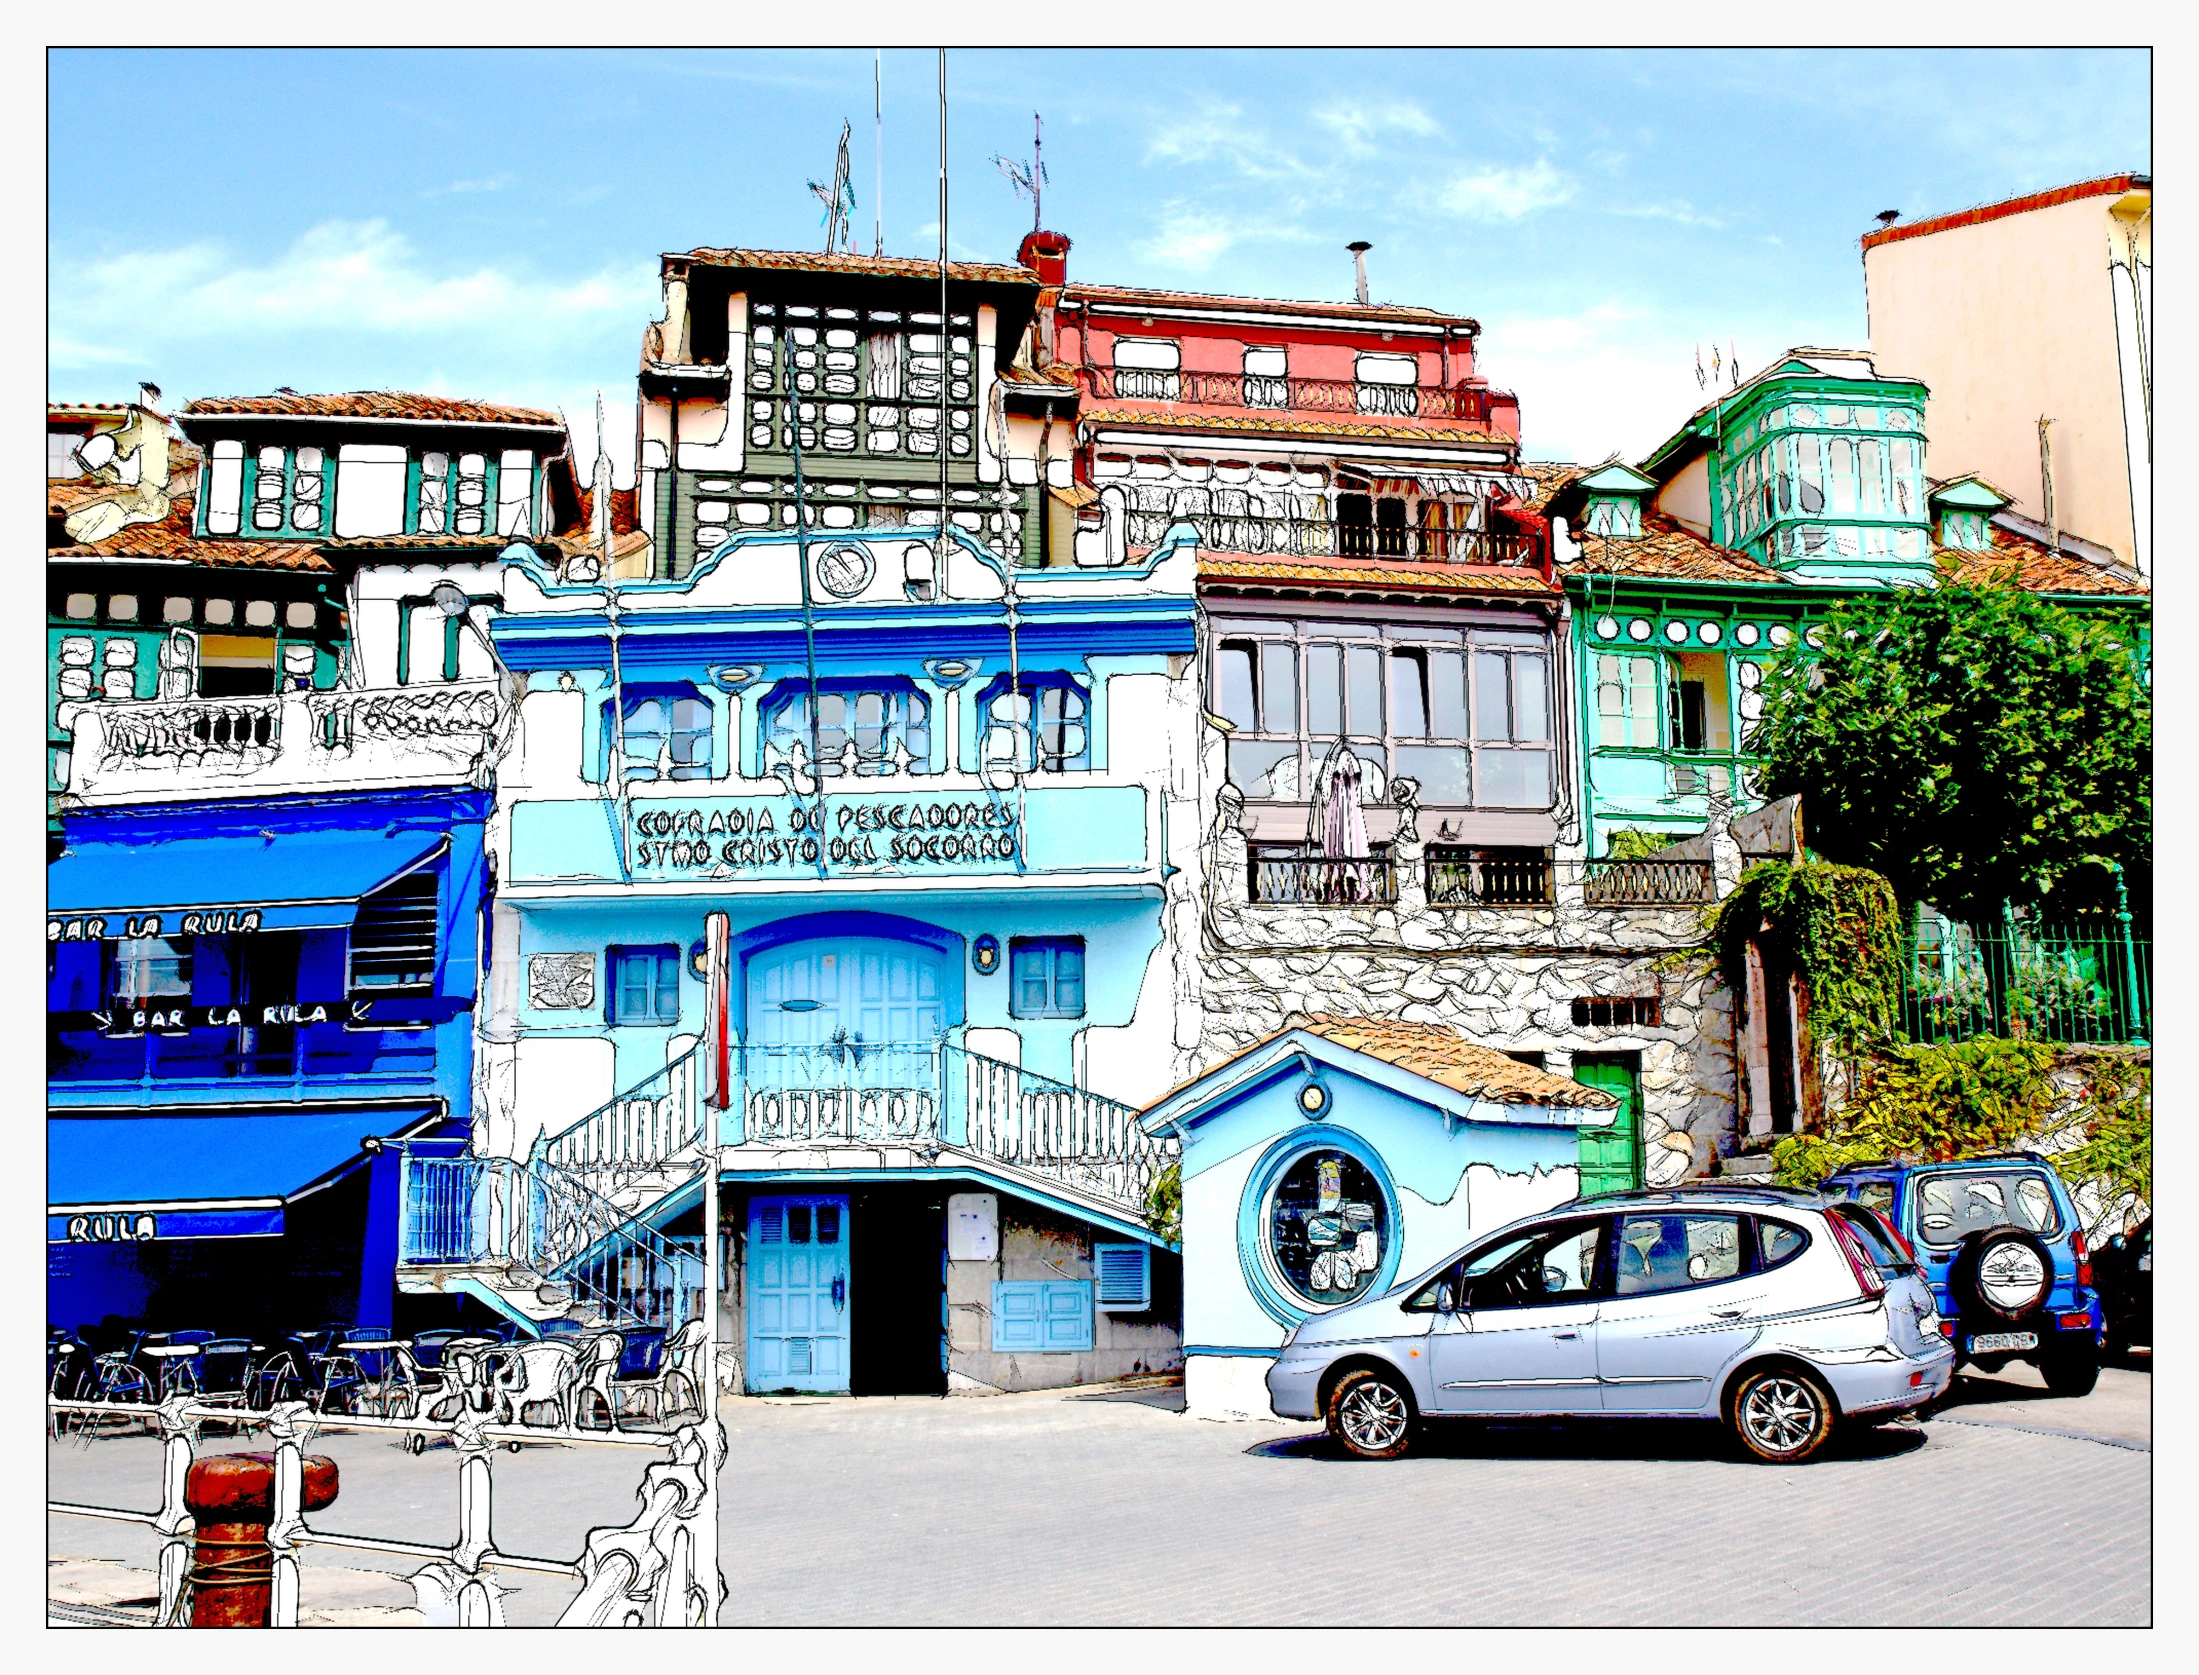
pixel 1607 627
pixel 1327 1226
pixel 1781 634
pixel 1638 630
pixel 1313 1099
pixel 1676 632
pixel 1708 633
pixel 1746 633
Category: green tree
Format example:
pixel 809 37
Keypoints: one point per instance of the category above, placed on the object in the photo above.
pixel 1974 744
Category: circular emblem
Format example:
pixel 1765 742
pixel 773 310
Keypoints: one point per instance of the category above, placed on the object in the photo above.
pixel 845 570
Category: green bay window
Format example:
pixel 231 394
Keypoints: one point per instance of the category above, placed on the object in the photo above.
pixel 289 490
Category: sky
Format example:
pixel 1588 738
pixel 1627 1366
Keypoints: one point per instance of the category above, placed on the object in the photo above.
pixel 488 223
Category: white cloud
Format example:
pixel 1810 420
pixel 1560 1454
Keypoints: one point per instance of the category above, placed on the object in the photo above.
pixel 64 355
pixel 1357 125
pixel 1502 194
pixel 492 183
pixel 1219 134
pixel 350 276
pixel 1189 238
pixel 1679 210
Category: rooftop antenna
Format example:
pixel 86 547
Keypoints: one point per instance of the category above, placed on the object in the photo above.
pixel 1887 217
pixel 1359 248
pixel 839 200
pixel 878 116
pixel 1029 182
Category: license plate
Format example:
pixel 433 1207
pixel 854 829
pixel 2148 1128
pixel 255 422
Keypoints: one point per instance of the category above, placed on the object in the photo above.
pixel 1987 1342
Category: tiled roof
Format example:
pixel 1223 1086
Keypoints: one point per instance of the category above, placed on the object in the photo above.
pixel 373 404
pixel 885 267
pixel 1394 576
pixel 1050 377
pixel 1163 418
pixel 1130 296
pixel 1666 552
pixel 171 539
pixel 2016 557
pixel 1445 1056
pixel 1548 476
pixel 2115 184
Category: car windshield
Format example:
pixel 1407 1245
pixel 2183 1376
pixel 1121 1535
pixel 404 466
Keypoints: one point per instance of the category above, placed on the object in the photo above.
pixel 1950 1207
pixel 1877 1194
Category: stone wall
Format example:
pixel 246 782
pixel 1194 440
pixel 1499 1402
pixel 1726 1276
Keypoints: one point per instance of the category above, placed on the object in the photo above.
pixel 1504 977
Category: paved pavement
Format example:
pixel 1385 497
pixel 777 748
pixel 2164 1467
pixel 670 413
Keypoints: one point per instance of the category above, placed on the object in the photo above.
pixel 1109 1506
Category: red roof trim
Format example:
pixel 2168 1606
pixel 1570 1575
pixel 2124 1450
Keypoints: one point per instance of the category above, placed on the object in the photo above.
pixel 2114 183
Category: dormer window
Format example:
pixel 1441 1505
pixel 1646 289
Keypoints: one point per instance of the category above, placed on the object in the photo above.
pixel 1963 529
pixel 1621 520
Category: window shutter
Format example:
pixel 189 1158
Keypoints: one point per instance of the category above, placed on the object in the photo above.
pixel 393 937
pixel 1125 1277
pixel 1017 1321
pixel 1042 1315
pixel 1069 1315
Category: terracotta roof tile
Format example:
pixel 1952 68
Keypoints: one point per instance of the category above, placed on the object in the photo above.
pixel 2016 557
pixel 1163 418
pixel 373 404
pixel 2115 184
pixel 1129 296
pixel 886 267
pixel 171 539
pixel 1666 552
pixel 1445 1056
pixel 1397 576
pixel 1548 476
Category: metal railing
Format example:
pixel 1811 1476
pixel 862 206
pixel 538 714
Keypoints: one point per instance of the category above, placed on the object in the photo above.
pixel 2087 984
pixel 1505 882
pixel 1322 881
pixel 1262 536
pixel 1336 396
pixel 539 1225
pixel 639 1573
pixel 845 1091
pixel 654 1120
pixel 1063 1133
pixel 265 1054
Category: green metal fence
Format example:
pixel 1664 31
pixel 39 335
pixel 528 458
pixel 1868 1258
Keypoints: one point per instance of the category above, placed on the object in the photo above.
pixel 2088 983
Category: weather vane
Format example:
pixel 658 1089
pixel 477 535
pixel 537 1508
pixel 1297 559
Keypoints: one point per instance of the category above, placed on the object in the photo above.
pixel 1029 182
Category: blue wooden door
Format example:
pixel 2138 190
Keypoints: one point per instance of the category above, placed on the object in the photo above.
pixel 798 1293
pixel 867 989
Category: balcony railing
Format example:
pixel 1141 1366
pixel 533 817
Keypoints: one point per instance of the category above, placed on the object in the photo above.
pixel 1544 883
pixel 1320 881
pixel 2086 984
pixel 1338 397
pixel 166 749
pixel 1320 538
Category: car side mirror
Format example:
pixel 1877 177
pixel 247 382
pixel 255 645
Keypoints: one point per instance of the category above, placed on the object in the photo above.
pixel 1446 1299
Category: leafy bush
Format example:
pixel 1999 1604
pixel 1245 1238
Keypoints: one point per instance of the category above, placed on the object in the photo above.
pixel 1164 1204
pixel 1838 926
pixel 1628 844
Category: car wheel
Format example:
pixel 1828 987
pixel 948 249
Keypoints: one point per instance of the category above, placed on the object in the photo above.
pixel 2073 1373
pixel 1782 1414
pixel 1371 1414
pixel 2002 1272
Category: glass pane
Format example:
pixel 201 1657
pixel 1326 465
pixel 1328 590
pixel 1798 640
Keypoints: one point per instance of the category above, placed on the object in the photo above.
pixel 1069 977
pixel 1364 715
pixel 1513 778
pixel 1324 690
pixel 1264 771
pixel 1446 695
pixel 1441 769
pixel 1233 691
pixel 1867 468
pixel 1492 704
pixel 1278 688
pixel 1531 696
pixel 797 1224
pixel 1669 1253
pixel 1409 694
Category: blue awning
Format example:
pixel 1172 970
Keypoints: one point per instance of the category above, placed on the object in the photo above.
pixel 289 880
pixel 191 1175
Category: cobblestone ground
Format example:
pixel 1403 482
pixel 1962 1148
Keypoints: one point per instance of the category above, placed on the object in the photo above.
pixel 1110 1507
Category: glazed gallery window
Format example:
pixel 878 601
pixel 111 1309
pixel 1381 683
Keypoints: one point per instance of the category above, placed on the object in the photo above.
pixel 859 380
pixel 667 735
pixel 141 970
pixel 645 985
pixel 1626 702
pixel 1466 714
pixel 1046 977
pixel 1327 1226
pixel 288 489
pixel 889 726
pixel 1043 727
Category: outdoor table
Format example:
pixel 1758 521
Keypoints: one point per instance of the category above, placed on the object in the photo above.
pixel 388 1385
pixel 183 1354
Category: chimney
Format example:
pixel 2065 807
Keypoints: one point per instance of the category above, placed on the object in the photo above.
pixel 1047 255
pixel 1359 249
pixel 148 397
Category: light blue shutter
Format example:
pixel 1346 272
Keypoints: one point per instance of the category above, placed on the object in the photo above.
pixel 1017 1320
pixel 1069 1315
pixel 1125 1277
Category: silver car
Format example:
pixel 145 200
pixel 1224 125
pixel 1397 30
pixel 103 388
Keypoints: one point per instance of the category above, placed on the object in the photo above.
pixel 1773 1311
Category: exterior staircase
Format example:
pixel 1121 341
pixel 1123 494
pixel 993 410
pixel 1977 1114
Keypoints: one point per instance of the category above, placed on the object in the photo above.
pixel 565 1235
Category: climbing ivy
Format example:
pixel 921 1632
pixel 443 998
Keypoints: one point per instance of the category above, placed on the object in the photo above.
pixel 1839 927
pixel 1164 1203
pixel 1631 844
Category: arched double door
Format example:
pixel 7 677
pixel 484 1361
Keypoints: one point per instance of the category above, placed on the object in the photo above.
pixel 879 991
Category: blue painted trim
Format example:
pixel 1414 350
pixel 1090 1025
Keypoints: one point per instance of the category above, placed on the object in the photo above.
pixel 1278 1305
pixel 839 925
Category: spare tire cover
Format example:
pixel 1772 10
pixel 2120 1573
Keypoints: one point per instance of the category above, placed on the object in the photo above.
pixel 2004 1271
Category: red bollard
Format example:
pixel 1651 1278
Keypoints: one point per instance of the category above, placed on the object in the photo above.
pixel 231 1497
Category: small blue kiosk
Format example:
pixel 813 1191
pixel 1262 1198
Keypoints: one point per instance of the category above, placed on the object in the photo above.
pixel 1337 1157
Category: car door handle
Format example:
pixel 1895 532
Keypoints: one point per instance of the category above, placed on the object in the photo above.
pixel 1565 1334
pixel 1730 1314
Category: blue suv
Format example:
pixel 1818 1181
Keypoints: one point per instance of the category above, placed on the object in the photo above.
pixel 1999 1242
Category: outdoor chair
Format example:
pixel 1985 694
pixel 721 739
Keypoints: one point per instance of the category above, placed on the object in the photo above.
pixel 224 1368
pixel 532 1374
pixel 681 1374
pixel 119 1378
pixel 180 1375
pixel 599 1364
pixel 640 1368
pixel 465 1378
